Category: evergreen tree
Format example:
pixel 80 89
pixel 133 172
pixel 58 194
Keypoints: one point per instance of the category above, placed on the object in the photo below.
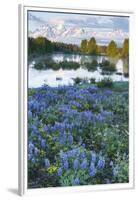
pixel 83 47
pixel 112 50
pixel 31 45
pixel 43 45
pixel 125 49
pixel 92 46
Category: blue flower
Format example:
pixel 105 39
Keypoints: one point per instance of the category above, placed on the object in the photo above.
pixel 29 156
pixel 83 155
pixel 60 171
pixel 31 147
pixel 76 164
pixel 66 165
pixel 111 163
pixel 84 145
pixel 93 157
pixel 73 153
pixel 70 139
pixel 33 160
pixel 84 164
pixel 93 170
pixel 64 156
pixel 43 143
pixel 115 171
pixel 30 114
pixel 47 163
pixel 101 163
pixel 100 118
pixel 36 151
pixel 76 181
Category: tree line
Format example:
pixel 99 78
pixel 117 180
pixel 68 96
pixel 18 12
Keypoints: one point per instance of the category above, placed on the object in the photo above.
pixel 42 45
pixel 91 47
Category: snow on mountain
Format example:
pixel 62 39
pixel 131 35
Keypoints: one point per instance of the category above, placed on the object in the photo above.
pixel 58 32
pixel 72 34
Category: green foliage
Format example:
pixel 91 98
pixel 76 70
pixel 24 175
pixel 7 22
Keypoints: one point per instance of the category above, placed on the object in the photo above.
pixel 106 66
pixel 102 50
pixel 92 80
pixel 77 80
pixel 84 46
pixel 92 46
pixel 91 66
pixel 66 48
pixel 50 64
pixel 69 65
pixel 125 49
pixel 106 82
pixel 39 66
pixel 98 123
pixel 42 45
pixel 39 45
pixel 112 50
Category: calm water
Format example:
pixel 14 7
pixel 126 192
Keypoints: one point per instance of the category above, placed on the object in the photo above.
pixel 38 78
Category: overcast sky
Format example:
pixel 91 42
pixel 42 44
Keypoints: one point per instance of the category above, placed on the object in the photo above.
pixel 103 28
pixel 90 21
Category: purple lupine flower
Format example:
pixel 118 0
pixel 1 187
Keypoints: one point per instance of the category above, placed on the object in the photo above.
pixel 100 118
pixel 64 136
pixel 70 139
pixel 64 156
pixel 47 163
pixel 43 143
pixel 115 171
pixel 30 114
pixel 108 92
pixel 93 157
pixel 65 164
pixel 33 160
pixel 83 144
pixel 111 163
pixel 29 156
pixel 36 151
pixel 76 181
pixel 34 129
pixel 60 171
pixel 31 146
pixel 76 164
pixel 83 155
pixel 93 170
pixel 74 152
pixel 84 164
pixel 101 163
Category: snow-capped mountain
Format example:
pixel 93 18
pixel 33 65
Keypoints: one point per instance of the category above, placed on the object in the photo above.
pixel 58 32
pixel 72 34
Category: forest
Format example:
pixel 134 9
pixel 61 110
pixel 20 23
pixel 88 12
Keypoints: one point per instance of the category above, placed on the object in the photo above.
pixel 41 45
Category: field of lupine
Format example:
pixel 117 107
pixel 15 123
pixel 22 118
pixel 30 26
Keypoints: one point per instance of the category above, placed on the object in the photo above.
pixel 77 135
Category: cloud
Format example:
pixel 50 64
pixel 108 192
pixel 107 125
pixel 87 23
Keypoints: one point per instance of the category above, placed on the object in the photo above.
pixel 57 21
pixel 81 20
pixel 104 20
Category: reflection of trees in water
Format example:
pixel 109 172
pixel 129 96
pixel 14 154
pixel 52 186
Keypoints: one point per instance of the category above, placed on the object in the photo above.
pixel 126 66
pixel 113 60
pixel 83 59
pixel 89 58
pixel 125 63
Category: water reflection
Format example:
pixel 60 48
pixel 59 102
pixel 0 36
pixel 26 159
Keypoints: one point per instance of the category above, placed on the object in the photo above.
pixel 65 77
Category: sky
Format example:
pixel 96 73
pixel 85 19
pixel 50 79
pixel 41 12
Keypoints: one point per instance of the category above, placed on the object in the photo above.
pixel 102 27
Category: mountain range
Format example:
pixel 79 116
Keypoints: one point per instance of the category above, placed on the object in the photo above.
pixel 60 32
